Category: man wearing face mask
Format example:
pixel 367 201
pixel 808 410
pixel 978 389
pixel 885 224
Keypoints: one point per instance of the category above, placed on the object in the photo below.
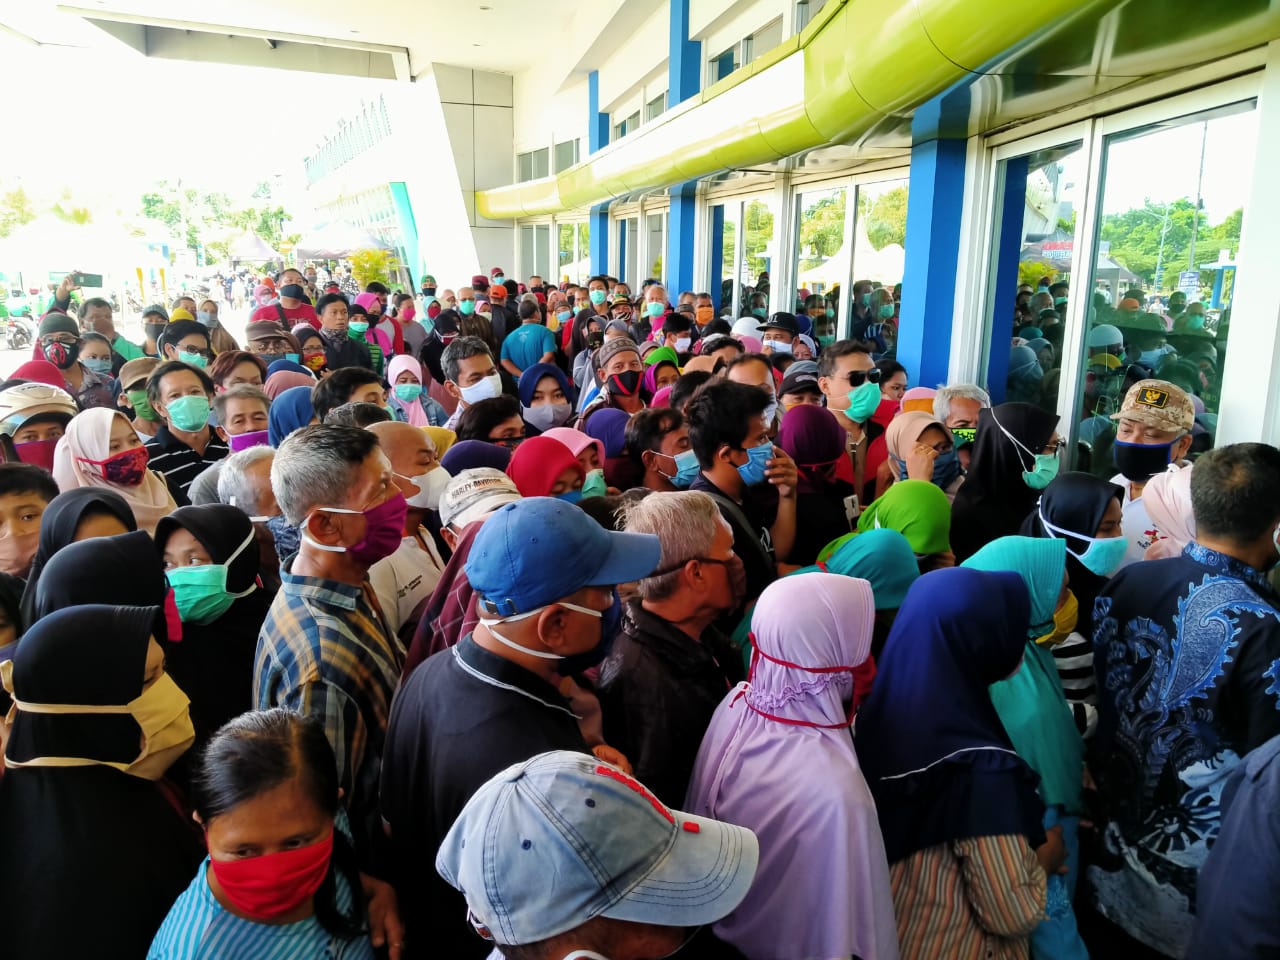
pixel 1153 431
pixel 25 491
pixel 778 333
pixel 185 444
pixel 244 482
pixel 593 302
pixel 634 880
pixel 653 308
pixel 1186 651
pixel 676 333
pixel 469 374
pixel 59 343
pixel 657 441
pixel 405 580
pixel 670 668
pixel 544 576
pixel 340 349
pixel 851 385
pixel 619 372
pixel 324 649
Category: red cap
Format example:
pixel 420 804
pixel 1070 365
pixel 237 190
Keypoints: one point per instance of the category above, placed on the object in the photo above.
pixel 497 292
pixel 497 272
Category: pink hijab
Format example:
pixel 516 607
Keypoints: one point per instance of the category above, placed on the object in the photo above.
pixel 1167 497
pixel 822 887
pixel 413 411
pixel 576 441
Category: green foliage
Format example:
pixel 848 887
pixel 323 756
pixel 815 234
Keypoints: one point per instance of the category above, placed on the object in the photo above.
pixel 822 227
pixel 885 217
pixel 194 219
pixel 1031 271
pixel 1135 239
pixel 16 209
pixel 757 225
pixel 370 265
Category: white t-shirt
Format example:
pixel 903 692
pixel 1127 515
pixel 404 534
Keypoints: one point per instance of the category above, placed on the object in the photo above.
pixel 1135 524
pixel 405 579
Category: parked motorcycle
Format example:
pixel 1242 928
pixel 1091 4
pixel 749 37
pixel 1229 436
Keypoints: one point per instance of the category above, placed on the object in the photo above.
pixel 19 333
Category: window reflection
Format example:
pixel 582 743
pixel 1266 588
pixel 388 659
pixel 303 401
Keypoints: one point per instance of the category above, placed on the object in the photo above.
pixel 757 255
pixel 822 261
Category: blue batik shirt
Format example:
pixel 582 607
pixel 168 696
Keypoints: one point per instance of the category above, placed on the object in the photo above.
pixel 1187 653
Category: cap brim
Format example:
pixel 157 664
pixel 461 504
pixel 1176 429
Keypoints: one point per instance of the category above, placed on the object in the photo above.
pixel 495 501
pixel 631 556
pixel 701 879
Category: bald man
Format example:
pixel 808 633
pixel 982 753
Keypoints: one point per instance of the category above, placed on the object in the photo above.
pixel 405 580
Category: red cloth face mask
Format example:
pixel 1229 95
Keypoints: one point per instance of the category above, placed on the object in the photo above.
pixel 274 884
pixel 757 654
pixel 127 468
pixel 37 452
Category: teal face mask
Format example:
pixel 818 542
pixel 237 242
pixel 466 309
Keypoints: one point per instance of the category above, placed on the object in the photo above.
pixel 189 413
pixel 827 340
pixel 357 327
pixel 408 392
pixel 1196 321
pixel 597 296
pixel 831 313
pixel 201 592
pixel 863 402
pixel 886 311
pixel 467 307
pixel 1103 556
pixel 654 309
pixel 594 485
pixel 195 359
pixel 760 312
pixel 1044 465
pixel 687 469
pixel 866 299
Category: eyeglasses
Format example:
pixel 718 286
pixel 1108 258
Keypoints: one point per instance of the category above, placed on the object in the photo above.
pixel 1055 447
pixel 858 377
pixel 65 341
pixel 192 351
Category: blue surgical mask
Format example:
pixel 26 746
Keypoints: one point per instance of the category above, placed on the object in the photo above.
pixel 499 280
pixel 752 472
pixel 564 315
pixel 1153 358
pixel 570 496
pixel 687 469
pixel 863 402
pixel 1103 556
pixel 778 346
pixel 207 318
pixel 99 365
pixel 946 468
pixel 293 357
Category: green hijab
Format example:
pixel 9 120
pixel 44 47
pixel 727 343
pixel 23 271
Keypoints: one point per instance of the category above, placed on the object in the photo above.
pixel 881 557
pixel 662 354
pixel 1031 703
pixel 917 509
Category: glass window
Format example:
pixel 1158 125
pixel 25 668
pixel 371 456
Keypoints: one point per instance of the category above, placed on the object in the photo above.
pixel 527 254
pixel 757 255
pixel 584 254
pixel 540 161
pixel 762 41
pixel 806 10
pixel 628 251
pixel 655 107
pixel 1172 204
pixel 723 64
pixel 524 163
pixel 566 155
pixel 567 253
pixel 657 228
pixel 822 259
pixel 721 255
pixel 879 240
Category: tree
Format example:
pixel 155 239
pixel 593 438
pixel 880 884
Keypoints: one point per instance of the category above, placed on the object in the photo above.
pixel 822 227
pixel 16 209
pixel 370 265
pixel 886 217
pixel 757 225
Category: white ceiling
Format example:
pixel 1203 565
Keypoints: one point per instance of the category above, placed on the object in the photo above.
pixel 505 34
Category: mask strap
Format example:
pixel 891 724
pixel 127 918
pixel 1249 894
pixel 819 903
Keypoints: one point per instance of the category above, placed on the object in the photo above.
pixel 302 528
pixel 1016 442
pixel 231 559
pixel 794 666
pixel 1060 534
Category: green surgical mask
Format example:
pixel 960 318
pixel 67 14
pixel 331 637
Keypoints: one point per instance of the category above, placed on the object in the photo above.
pixel 863 402
pixel 142 406
pixel 190 413
pixel 200 592
pixel 827 340
pixel 357 328
pixel 1042 474
pixel 594 485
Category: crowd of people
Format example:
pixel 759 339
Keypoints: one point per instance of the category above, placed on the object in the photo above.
pixel 410 629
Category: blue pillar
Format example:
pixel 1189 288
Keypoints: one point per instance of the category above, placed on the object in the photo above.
pixel 717 256
pixel 622 255
pixel 685 64
pixel 1215 300
pixel 599 240
pixel 597 122
pixel 412 250
pixel 1011 212
pixel 932 248
pixel 680 230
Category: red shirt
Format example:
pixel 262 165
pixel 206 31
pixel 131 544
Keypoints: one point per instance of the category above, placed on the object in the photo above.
pixel 302 313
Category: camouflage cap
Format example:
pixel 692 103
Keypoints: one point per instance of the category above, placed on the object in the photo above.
pixel 1159 404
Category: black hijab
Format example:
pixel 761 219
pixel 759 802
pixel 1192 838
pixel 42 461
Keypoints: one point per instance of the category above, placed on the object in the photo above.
pixel 994 499
pixel 110 844
pixel 58 525
pixel 214 662
pixel 1076 502
pixel 122 570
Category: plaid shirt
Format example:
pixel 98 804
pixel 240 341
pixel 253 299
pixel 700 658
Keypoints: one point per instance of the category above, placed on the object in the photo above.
pixel 323 651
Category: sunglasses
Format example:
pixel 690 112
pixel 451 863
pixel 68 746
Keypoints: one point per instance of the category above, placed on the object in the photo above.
pixel 858 377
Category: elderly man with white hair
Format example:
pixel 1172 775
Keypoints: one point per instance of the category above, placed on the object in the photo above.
pixel 669 667
pixel 957 407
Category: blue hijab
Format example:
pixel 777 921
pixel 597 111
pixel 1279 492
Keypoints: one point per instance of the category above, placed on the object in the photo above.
pixel 290 411
pixel 936 757
pixel 529 382
pixel 467 454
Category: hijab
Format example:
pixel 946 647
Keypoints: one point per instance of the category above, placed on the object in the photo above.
pixel 576 441
pixel 814 439
pixel 901 437
pixel 881 557
pixel 533 375
pixel 918 399
pixel 112 845
pixel 936 756
pixel 608 426
pixel 282 380
pixel 442 438
pixel 290 410
pixel 123 570
pixel 649 383
pixel 58 525
pixel 88 437
pixel 797 784
pixel 40 371
pixel 466 454
pixel 994 499
pixel 1167 497
pixel 1031 704
pixel 917 509
pixel 538 463
pixel 413 410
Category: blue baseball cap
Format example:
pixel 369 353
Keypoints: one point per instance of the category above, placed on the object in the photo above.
pixel 540 550
pixel 555 841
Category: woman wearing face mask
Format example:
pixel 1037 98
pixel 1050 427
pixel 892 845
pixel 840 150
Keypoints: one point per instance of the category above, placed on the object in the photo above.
pixel 609 427
pixel 408 398
pixel 921 448
pixel 219 339
pixel 1015 456
pixel 101 449
pixel 1084 511
pixel 777 758
pixel 280 880
pixel 79 514
pixel 817 443
pixel 237 367
pixel 98 723
pixel 546 398
pixel 542 467
pixel 958 808
pixel 362 326
pixel 311 349
pixel 211 559
pixel 494 420
pixel 662 369
pixel 95 353
pixel 1031 706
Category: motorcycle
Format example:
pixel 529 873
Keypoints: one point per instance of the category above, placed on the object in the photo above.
pixel 19 333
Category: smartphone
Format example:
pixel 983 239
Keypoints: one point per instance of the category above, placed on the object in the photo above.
pixel 86 279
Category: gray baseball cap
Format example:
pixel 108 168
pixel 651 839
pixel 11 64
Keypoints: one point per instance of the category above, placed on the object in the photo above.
pixel 474 493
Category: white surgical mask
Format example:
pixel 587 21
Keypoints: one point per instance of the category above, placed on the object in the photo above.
pixel 430 488
pixel 682 344
pixel 778 346
pixel 489 387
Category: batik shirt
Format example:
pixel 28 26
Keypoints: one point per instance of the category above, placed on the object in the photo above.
pixel 1187 652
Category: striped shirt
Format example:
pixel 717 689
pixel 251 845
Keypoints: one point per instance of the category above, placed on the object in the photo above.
pixel 323 651
pixel 973 899
pixel 198 927
pixel 1074 661
pixel 178 463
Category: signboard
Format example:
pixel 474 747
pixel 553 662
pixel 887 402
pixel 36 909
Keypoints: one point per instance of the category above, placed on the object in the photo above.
pixel 1189 283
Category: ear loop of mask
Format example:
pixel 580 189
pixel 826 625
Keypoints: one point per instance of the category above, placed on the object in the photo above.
pixel 231 559
pixel 1016 442
pixel 302 528
pixel 489 624
pixel 1061 534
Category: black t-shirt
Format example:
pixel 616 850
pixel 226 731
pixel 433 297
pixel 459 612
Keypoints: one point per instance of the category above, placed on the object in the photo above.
pixel 461 717
pixel 752 541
